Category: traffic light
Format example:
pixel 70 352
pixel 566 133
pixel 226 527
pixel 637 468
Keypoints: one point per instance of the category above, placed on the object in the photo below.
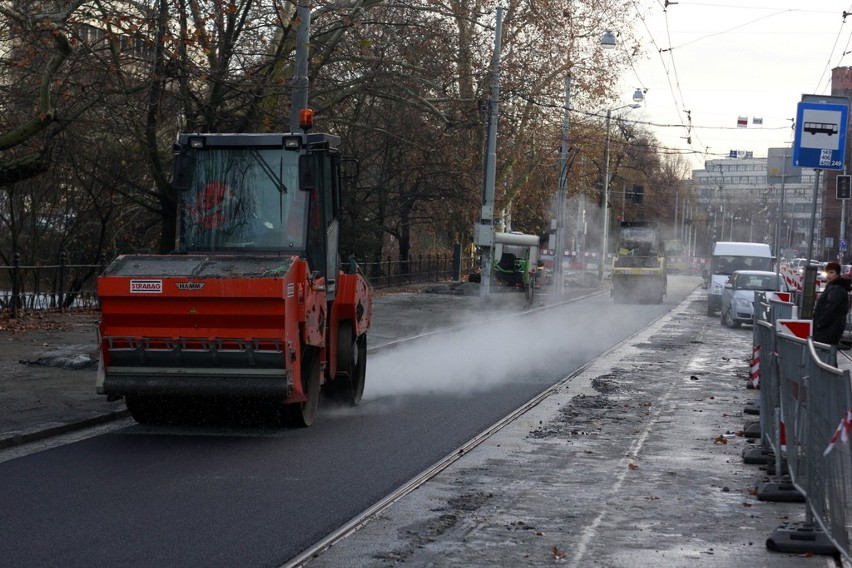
pixel 638 193
pixel 844 187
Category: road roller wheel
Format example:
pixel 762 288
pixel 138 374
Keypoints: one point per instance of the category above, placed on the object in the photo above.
pixel 303 414
pixel 348 386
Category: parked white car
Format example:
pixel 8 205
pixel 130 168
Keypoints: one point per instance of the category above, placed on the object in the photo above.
pixel 738 294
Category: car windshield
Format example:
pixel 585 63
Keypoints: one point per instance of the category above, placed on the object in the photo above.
pixel 244 199
pixel 756 282
pixel 728 264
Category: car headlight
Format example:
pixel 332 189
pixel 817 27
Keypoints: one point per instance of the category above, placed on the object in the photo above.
pixel 716 288
pixel 743 303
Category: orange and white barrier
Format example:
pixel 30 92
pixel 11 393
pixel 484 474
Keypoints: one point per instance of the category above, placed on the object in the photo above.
pixel 791 277
pixel 794 327
pixel 843 432
pixel 754 377
pixel 779 296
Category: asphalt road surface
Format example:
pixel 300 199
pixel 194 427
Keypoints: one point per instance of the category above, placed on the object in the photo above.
pixel 232 496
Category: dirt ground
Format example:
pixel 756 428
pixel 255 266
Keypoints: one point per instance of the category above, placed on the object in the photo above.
pixel 47 339
pixel 47 373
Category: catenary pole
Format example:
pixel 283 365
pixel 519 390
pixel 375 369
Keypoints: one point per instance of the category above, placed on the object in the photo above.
pixel 485 229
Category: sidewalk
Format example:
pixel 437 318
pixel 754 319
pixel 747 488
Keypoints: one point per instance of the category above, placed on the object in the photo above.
pixel 635 461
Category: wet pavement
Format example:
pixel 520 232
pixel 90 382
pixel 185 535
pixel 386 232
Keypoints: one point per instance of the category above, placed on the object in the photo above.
pixel 633 461
pixel 48 361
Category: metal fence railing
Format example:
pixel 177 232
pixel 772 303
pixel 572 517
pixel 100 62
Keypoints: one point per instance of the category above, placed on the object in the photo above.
pixel 417 270
pixel 63 286
pixel 57 287
pixel 806 423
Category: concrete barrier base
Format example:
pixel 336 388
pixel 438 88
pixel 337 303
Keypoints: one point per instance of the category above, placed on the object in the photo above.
pixel 800 538
pixel 751 430
pixel 779 490
pixel 752 407
pixel 757 456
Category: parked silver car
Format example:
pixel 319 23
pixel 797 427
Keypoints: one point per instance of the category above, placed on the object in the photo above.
pixel 738 294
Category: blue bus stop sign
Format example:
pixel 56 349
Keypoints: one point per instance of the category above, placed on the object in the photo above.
pixel 820 141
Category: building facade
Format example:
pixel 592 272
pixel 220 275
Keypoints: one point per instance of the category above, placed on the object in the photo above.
pixel 741 202
pixel 836 219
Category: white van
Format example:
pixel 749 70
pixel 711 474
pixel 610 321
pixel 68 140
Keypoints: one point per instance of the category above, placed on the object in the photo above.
pixel 730 256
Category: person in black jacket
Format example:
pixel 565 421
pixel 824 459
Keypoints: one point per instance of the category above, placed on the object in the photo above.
pixel 832 307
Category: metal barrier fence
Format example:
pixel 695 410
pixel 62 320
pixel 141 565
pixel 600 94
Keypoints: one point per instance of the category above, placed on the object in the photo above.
pixel 767 312
pixel 806 421
pixel 827 477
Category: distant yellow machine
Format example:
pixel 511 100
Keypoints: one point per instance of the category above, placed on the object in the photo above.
pixel 676 257
pixel 639 266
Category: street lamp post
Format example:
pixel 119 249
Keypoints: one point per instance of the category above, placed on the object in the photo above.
pixel 608 41
pixel 605 233
pixel 637 96
pixel 561 198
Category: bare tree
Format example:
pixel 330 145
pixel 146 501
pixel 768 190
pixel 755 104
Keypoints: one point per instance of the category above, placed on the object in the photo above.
pixel 403 82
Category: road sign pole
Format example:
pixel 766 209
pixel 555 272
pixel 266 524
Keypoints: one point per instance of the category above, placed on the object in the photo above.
pixel 842 248
pixel 820 142
pixel 813 217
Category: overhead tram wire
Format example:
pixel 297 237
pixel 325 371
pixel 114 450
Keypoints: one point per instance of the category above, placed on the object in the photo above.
pixel 671 49
pixel 661 149
pixel 828 61
pixel 675 90
pixel 833 50
pixel 693 130
pixel 672 69
pixel 667 149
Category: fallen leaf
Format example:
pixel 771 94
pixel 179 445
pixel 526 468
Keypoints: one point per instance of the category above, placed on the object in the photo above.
pixel 747 504
pixel 557 554
pixel 720 440
pixel 632 465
